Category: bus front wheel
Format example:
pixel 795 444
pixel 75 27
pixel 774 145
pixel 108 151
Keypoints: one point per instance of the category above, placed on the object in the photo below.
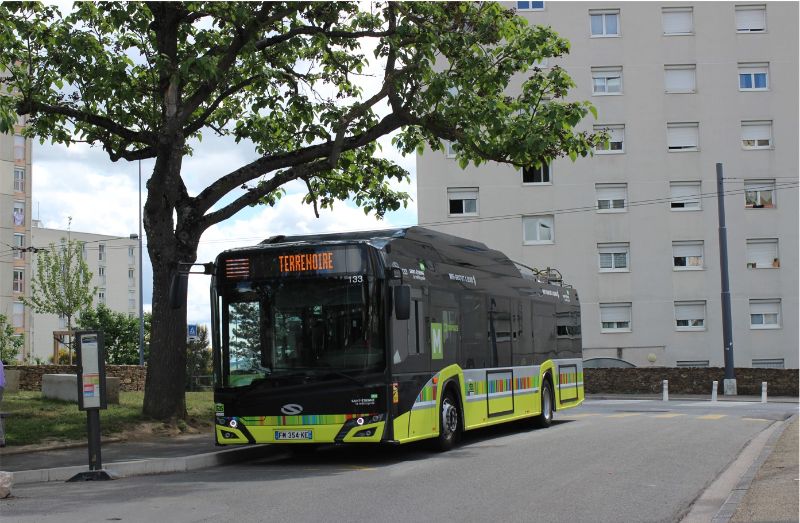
pixel 449 422
pixel 545 418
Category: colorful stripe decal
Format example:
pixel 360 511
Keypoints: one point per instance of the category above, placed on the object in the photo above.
pixel 278 421
pixel 428 395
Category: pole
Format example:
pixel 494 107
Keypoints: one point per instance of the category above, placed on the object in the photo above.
pixel 141 286
pixel 729 383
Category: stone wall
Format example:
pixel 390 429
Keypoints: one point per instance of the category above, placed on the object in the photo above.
pixel 131 376
pixel 780 382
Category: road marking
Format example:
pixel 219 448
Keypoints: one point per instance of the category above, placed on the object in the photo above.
pixel 670 415
pixel 712 416
pixel 625 415
pixel 757 419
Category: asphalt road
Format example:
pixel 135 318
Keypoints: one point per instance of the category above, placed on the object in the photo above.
pixel 606 461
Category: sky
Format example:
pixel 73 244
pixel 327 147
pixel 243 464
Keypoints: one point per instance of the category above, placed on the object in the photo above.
pixel 102 197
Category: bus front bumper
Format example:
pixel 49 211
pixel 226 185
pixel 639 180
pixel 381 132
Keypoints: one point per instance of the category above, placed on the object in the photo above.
pixel 367 428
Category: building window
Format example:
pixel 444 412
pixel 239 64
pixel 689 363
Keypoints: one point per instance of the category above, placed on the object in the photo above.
pixel 530 6
pixel 768 363
pixel 19 148
pixel 690 315
pixel 751 18
pixel 687 255
pixel 18 315
pixel 101 252
pixel 18 284
pixel 537 175
pixel 62 321
pixel 611 197
pixel 684 196
pixel 101 296
pixel 19 245
pixel 19 179
pixel 606 80
pixel 616 139
pixel 691 363
pixel 765 314
pixel 754 77
pixel 763 254
pixel 449 152
pixel 756 135
pixel 463 201
pixel 683 136
pixel 604 23
pixel 131 254
pixel 680 78
pixel 613 257
pixel 677 21
pixel 131 278
pixel 131 300
pixel 615 317
pixel 19 214
pixel 101 275
pixel 538 229
pixel 759 194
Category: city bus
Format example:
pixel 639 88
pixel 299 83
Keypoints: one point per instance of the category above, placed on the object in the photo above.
pixel 388 336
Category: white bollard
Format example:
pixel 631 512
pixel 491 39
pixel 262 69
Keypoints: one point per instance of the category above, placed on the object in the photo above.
pixel 714 391
pixel 763 392
pixel 665 390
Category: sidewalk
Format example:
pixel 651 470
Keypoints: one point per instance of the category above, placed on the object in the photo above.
pixel 126 458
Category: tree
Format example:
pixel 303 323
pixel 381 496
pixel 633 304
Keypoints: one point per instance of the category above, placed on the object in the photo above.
pixel 143 80
pixel 62 281
pixel 198 357
pixel 10 342
pixel 120 334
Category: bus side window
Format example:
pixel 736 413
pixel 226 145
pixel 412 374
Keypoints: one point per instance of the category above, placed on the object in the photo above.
pixel 474 353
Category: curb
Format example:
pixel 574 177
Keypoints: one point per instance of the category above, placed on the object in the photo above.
pixel 143 467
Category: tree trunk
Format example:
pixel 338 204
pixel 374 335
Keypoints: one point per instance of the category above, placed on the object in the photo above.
pixel 164 393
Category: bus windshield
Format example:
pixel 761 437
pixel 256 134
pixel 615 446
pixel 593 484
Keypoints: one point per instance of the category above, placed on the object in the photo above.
pixel 308 326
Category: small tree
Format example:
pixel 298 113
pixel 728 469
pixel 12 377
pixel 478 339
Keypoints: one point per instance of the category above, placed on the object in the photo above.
pixel 62 282
pixel 198 357
pixel 10 343
pixel 120 332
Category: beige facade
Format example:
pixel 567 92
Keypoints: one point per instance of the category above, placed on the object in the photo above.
pixel 113 262
pixel 679 87
pixel 15 231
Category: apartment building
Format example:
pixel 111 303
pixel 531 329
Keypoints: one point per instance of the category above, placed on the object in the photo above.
pixel 15 230
pixel 113 262
pixel 678 87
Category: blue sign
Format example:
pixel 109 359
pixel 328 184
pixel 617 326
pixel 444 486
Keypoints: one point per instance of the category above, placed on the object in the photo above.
pixel 192 331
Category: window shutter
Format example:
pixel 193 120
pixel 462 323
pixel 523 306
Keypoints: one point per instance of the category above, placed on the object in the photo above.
pixel 690 311
pixel 753 18
pixel 764 307
pixel 611 192
pixel 762 252
pixel 462 194
pixel 615 313
pixel 685 191
pixel 681 249
pixel 679 79
pixel 760 131
pixel 677 21
pixel 682 136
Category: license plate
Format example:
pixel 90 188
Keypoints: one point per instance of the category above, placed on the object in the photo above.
pixel 281 435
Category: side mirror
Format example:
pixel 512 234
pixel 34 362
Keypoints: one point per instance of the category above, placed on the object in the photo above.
pixel 402 302
pixel 178 289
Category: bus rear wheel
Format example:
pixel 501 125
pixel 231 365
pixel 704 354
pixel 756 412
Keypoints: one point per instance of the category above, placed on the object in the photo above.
pixel 449 422
pixel 545 418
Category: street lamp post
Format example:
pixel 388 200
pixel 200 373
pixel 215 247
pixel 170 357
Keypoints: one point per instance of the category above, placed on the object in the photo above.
pixel 141 286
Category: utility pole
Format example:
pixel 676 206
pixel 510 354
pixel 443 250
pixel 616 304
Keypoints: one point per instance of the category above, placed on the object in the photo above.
pixel 141 284
pixel 729 384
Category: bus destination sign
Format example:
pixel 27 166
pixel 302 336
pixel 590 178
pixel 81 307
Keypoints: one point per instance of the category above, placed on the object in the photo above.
pixel 321 261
